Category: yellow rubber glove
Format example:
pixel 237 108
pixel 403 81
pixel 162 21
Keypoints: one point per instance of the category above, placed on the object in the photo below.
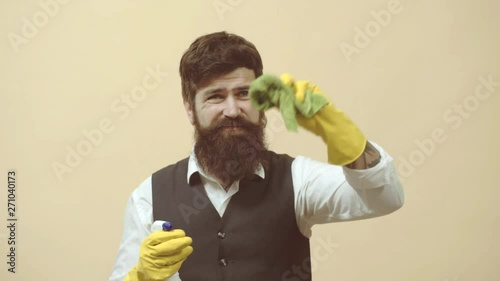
pixel 345 142
pixel 162 254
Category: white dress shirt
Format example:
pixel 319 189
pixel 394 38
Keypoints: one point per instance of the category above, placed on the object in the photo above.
pixel 324 193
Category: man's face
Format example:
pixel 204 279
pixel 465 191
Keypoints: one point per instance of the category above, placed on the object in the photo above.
pixel 229 131
pixel 223 97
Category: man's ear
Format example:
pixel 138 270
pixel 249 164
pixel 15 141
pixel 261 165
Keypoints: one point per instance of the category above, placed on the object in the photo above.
pixel 189 111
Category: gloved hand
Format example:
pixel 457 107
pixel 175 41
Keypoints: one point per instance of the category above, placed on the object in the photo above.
pixel 306 104
pixel 162 254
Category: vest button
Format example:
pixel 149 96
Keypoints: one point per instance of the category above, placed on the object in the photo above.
pixel 223 262
pixel 221 234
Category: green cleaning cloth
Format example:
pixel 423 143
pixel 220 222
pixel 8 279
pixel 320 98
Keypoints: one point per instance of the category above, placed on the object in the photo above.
pixel 269 91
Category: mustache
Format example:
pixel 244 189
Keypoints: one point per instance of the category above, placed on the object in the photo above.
pixel 232 122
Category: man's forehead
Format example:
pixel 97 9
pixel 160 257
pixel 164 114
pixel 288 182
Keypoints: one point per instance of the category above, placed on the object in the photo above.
pixel 226 87
pixel 240 78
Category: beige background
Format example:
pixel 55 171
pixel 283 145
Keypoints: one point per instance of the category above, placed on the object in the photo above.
pixel 403 86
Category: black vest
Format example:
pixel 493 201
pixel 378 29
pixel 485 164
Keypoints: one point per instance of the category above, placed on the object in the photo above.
pixel 257 238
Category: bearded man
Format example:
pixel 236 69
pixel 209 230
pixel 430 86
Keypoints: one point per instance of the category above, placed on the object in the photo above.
pixel 242 212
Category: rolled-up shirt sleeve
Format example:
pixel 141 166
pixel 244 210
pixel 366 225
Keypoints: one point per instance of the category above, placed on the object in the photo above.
pixel 327 193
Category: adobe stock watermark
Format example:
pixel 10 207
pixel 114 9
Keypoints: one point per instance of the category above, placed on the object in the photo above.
pixel 454 117
pixel 363 36
pixel 121 107
pixel 275 125
pixel 319 254
pixel 31 27
pixel 223 6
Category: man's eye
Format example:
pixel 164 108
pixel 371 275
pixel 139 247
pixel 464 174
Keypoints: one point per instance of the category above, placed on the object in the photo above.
pixel 214 97
pixel 243 93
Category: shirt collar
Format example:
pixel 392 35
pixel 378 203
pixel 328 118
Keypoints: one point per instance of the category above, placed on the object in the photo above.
pixel 194 167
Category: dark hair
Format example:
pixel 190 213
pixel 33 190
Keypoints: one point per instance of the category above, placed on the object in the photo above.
pixel 213 55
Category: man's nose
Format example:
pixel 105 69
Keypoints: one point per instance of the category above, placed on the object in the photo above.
pixel 231 108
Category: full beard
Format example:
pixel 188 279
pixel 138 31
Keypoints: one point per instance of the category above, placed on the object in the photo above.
pixel 231 149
